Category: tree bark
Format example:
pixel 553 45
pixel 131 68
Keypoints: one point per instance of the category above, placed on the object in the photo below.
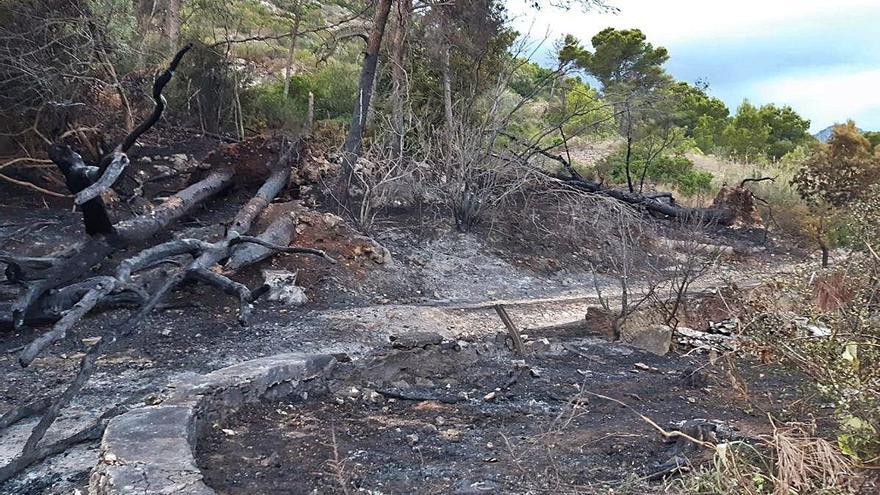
pixel 310 115
pixel 294 34
pixel 398 75
pixel 629 146
pixel 447 88
pixel 354 139
pixel 172 23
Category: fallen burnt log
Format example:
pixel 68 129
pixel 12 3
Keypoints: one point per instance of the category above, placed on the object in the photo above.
pixel 652 202
pixel 279 232
pixel 67 266
pixel 54 285
pixel 205 255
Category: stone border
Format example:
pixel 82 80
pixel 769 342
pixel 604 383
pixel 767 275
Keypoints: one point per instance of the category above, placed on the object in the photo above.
pixel 150 450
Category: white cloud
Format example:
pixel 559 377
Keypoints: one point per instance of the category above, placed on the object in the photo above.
pixel 831 95
pixel 672 21
pixel 822 57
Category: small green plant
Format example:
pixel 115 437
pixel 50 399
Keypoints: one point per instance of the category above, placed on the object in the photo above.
pixel 675 170
pixel 333 87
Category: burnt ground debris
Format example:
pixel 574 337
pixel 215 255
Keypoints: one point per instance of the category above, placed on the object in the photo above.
pixel 469 417
pixel 435 280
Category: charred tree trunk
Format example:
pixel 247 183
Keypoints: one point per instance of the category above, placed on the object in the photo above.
pixel 354 139
pixel 718 216
pixel 398 76
pixel 629 147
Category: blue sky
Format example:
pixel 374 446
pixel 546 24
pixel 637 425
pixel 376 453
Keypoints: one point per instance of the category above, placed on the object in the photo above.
pixel 822 57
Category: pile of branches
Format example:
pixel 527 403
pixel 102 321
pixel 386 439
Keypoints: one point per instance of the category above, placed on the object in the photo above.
pixel 60 288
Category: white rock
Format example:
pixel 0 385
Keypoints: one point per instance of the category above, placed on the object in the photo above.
pixel 283 288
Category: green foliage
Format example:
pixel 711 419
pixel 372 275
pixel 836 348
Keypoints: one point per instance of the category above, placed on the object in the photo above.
pixel 203 17
pixel 675 170
pixel 694 182
pixel 787 130
pixel 707 133
pixel 334 87
pixel 266 108
pixel 703 117
pixel 530 79
pixel 873 137
pixel 578 109
pixel 620 57
pixel 746 135
pixel 693 104
pixel 797 157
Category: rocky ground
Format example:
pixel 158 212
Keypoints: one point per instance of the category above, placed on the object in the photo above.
pixel 467 416
pixel 410 277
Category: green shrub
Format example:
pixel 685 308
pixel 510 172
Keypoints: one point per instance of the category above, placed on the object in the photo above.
pixel 334 87
pixel 265 107
pixel 675 170
pixel 204 87
pixel 694 182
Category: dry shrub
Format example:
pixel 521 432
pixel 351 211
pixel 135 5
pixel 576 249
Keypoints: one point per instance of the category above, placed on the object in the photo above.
pixel 830 330
pixel 830 292
pixel 557 222
pixel 468 177
pixel 804 462
pixel 791 460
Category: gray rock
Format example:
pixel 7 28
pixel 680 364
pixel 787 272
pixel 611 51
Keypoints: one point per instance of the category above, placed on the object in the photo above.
pixel 704 340
pixel 468 487
pixel 656 339
pixel 179 161
pixel 416 340
pixel 149 450
pixel 283 288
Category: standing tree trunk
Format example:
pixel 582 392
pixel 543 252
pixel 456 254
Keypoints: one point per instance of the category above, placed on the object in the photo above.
pixel 371 114
pixel 447 88
pixel 629 146
pixel 172 23
pixel 310 114
pixel 144 12
pixel 354 140
pixel 294 34
pixel 398 75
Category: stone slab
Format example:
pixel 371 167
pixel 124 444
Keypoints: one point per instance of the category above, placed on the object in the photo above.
pixel 149 450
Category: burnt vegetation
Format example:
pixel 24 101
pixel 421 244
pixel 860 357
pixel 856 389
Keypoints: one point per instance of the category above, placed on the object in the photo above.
pixel 323 129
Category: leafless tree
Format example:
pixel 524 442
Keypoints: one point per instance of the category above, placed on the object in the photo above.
pixel 693 260
pixel 626 260
pixel 381 177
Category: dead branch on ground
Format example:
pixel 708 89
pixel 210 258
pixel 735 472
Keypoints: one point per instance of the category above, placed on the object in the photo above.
pixel 52 287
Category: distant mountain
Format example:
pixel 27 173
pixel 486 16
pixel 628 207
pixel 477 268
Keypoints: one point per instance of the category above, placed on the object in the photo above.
pixel 825 134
